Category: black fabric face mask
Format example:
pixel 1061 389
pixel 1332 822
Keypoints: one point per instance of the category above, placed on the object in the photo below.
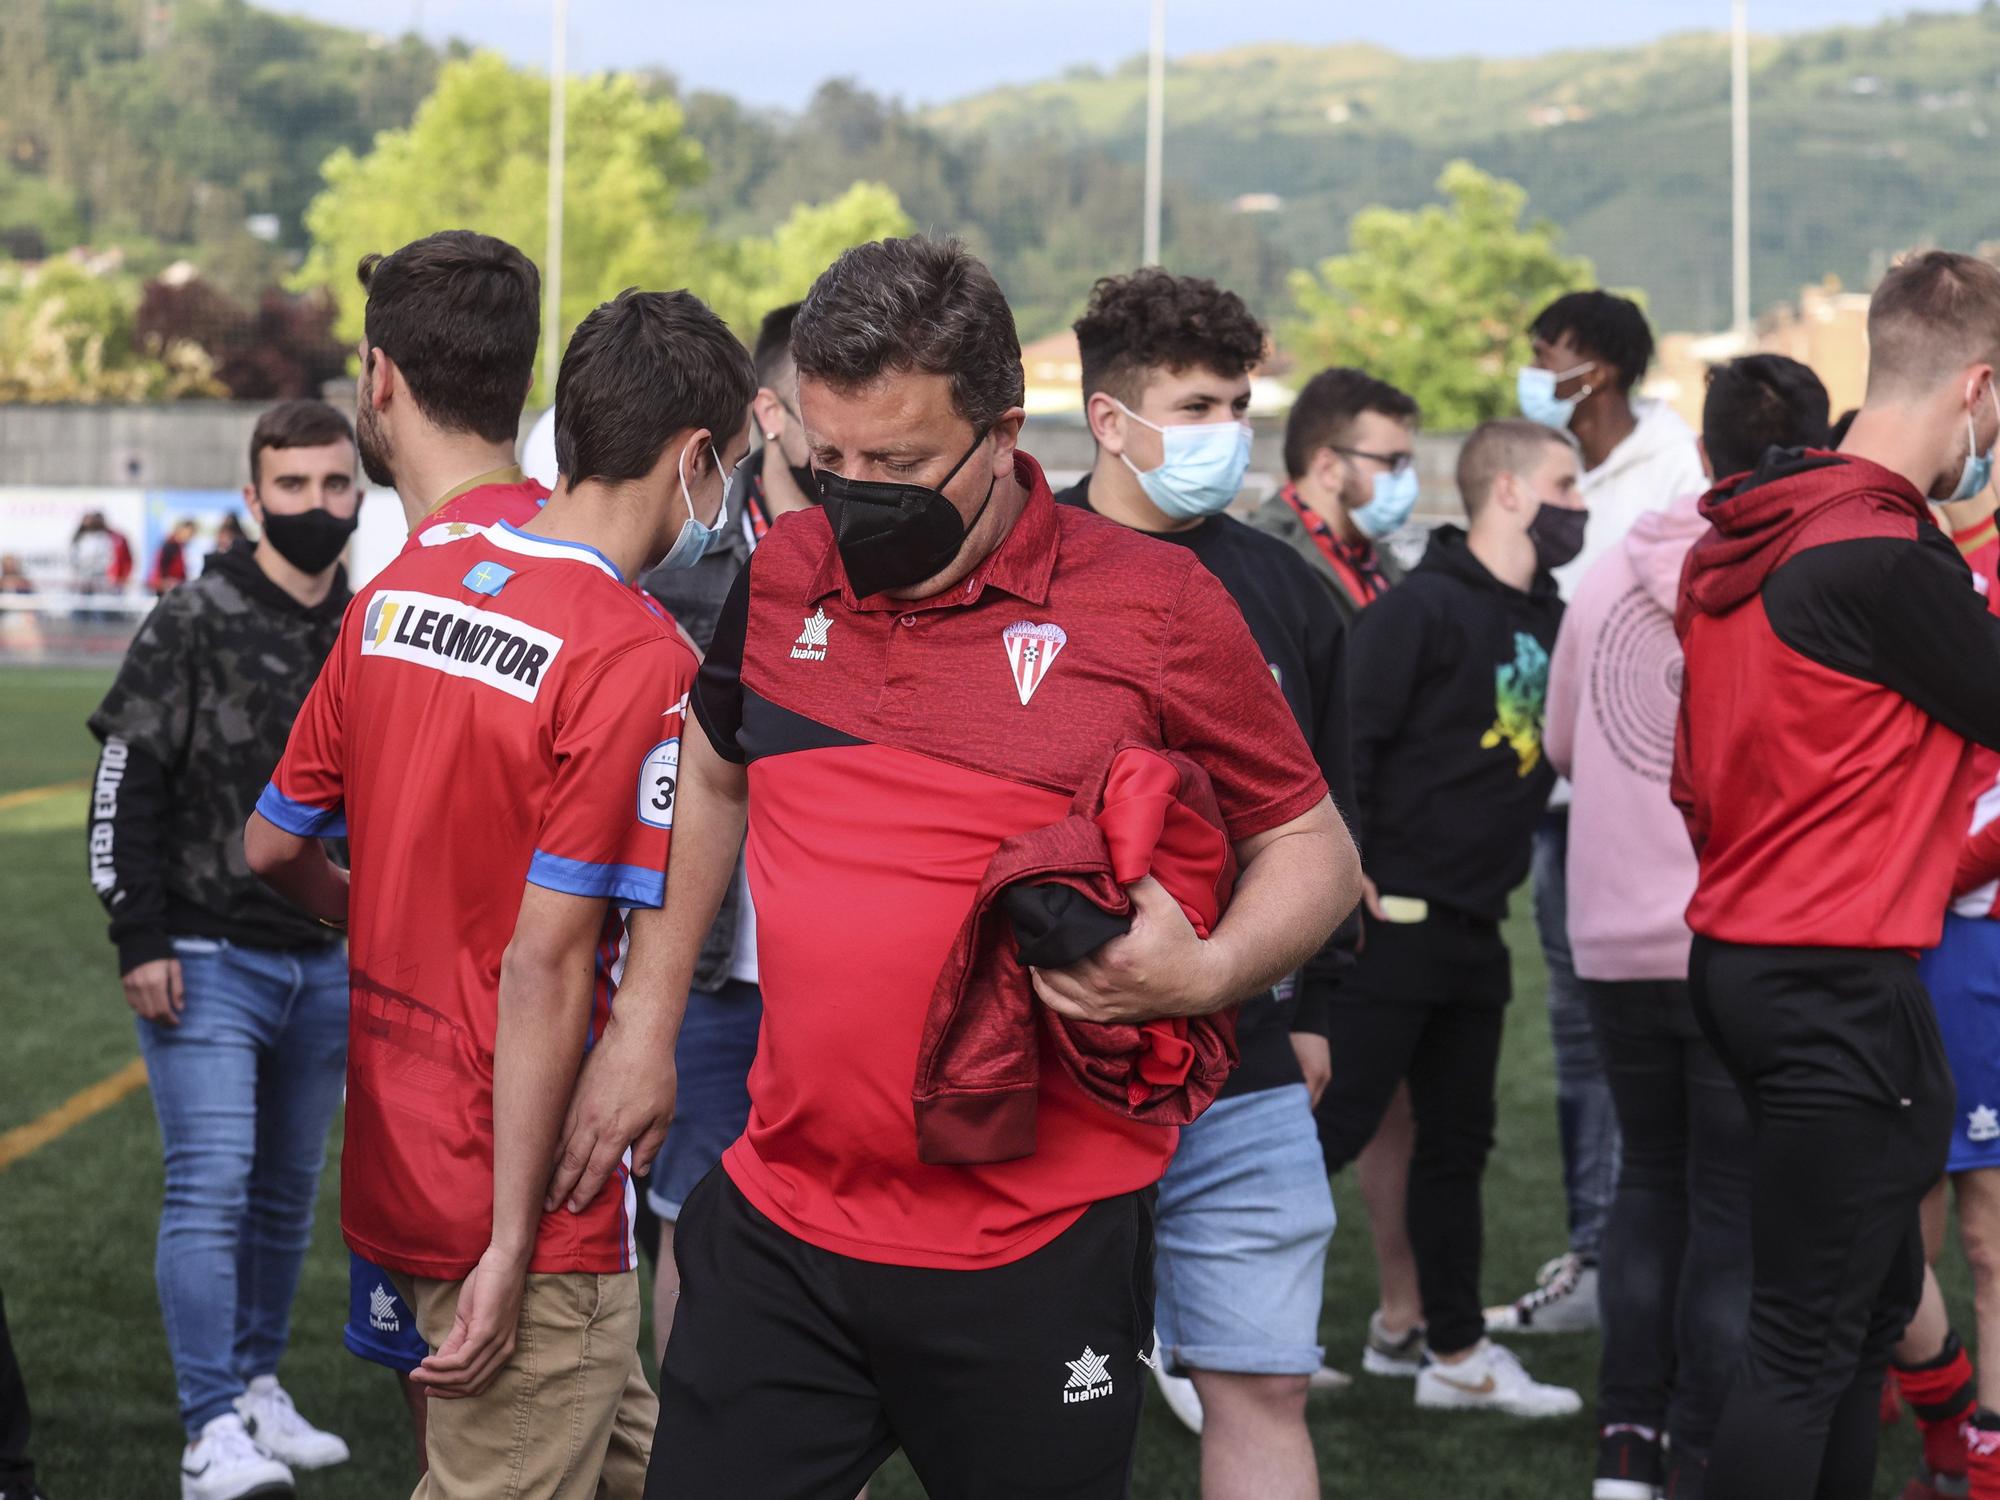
pixel 894 536
pixel 1557 534
pixel 311 540
pixel 808 483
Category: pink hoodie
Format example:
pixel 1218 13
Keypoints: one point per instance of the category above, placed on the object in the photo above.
pixel 1614 699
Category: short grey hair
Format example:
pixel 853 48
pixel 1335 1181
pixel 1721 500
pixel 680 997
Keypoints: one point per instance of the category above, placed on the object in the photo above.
pixel 921 304
pixel 1510 445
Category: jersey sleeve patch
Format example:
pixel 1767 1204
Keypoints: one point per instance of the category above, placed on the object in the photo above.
pixel 628 885
pixel 488 578
pixel 659 781
pixel 301 819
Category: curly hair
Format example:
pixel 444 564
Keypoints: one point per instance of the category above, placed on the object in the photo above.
pixel 1601 325
pixel 1153 320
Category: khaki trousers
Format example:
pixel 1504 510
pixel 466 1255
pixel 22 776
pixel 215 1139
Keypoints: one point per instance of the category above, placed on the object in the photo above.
pixel 569 1416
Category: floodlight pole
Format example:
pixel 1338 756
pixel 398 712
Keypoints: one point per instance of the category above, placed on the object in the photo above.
pixel 553 267
pixel 1156 121
pixel 1739 109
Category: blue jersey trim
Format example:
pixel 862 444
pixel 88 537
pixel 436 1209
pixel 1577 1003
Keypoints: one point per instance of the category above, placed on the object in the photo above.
pixel 301 818
pixel 555 541
pixel 628 885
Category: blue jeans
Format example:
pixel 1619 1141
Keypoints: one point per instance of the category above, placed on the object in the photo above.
pixel 1585 1115
pixel 718 1042
pixel 245 1088
pixel 1674 1286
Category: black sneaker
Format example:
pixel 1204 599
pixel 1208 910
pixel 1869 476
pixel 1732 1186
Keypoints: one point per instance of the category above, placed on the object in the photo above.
pixel 1628 1465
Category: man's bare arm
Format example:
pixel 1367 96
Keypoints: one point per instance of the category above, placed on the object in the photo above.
pixel 621 1101
pixel 1298 882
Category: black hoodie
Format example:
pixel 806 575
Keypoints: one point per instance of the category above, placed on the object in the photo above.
pixel 1296 626
pixel 1448 680
pixel 192 729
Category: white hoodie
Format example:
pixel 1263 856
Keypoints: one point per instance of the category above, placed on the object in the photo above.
pixel 1656 464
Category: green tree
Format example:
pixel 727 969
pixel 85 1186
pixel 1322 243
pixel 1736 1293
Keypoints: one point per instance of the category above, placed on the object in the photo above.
pixel 762 272
pixel 476 157
pixel 66 334
pixel 1437 302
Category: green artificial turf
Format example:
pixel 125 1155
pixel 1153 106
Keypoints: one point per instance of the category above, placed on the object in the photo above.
pixel 77 1221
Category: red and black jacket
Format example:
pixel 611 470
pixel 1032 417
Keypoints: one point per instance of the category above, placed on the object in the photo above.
pixel 1050 898
pixel 1837 660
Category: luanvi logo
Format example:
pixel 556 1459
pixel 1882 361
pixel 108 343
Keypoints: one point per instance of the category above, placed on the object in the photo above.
pixel 811 644
pixel 1089 1377
pixel 382 1310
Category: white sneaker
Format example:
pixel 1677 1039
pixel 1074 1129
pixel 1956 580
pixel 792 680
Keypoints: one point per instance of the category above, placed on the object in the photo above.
pixel 1491 1379
pixel 1182 1398
pixel 1327 1381
pixel 275 1423
pixel 1564 1301
pixel 1396 1356
pixel 225 1463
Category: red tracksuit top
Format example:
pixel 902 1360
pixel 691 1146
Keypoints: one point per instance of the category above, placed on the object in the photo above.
pixel 1838 659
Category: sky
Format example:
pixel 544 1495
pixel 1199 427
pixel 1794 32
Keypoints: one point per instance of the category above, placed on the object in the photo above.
pixel 776 52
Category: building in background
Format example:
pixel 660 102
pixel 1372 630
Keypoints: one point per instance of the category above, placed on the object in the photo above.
pixel 1825 327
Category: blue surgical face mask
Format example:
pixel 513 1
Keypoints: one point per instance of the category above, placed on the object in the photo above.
pixel 1202 470
pixel 1535 389
pixel 1978 471
pixel 1395 497
pixel 696 537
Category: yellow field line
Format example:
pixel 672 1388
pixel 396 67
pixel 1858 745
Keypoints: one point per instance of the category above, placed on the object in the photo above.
pixel 25 1140
pixel 28 797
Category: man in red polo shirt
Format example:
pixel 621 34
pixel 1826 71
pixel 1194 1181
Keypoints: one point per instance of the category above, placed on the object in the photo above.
pixel 937 658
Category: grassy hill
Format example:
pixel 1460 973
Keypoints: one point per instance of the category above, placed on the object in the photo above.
pixel 1865 140
pixel 196 128
pixel 183 126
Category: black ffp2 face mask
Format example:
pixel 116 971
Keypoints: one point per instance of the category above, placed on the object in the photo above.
pixel 1557 533
pixel 894 536
pixel 310 540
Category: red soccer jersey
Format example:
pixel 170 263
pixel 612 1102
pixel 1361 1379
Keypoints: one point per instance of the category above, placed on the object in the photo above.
pixel 891 746
pixel 1980 861
pixel 488 505
pixel 497 712
pixel 517 502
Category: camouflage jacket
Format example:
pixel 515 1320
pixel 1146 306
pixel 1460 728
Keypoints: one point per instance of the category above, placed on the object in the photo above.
pixel 192 729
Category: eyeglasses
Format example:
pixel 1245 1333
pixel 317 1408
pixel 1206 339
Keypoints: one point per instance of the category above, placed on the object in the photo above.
pixel 1395 463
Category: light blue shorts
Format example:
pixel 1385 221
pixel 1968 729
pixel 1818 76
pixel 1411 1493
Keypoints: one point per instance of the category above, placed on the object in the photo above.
pixel 1244 1218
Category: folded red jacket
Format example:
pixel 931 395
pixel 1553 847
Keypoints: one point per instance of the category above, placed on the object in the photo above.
pixel 1047 899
